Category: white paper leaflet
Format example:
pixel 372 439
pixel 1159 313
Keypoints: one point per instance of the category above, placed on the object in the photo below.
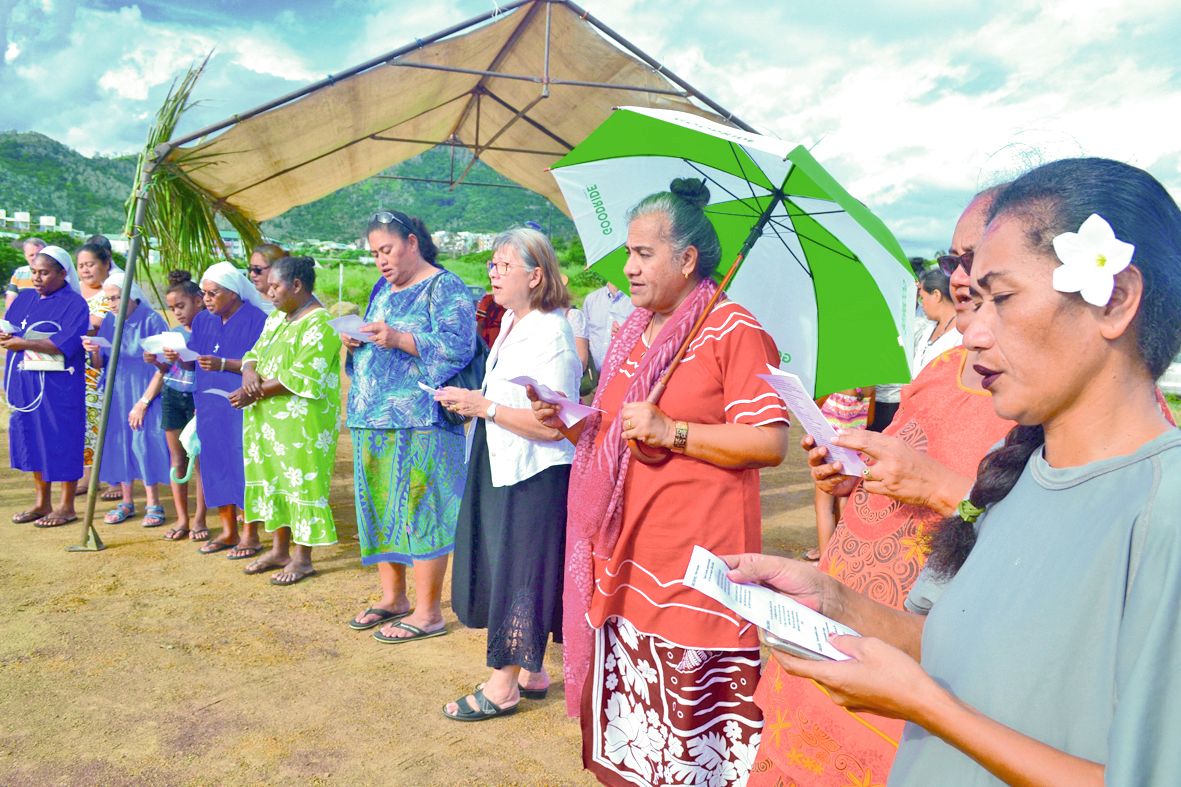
pixel 350 326
pixel 791 390
pixel 780 615
pixel 570 412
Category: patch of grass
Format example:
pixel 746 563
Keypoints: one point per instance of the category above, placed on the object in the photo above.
pixel 1174 405
pixel 351 280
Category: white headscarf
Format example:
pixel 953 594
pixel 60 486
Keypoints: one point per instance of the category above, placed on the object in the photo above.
pixel 62 257
pixel 116 279
pixel 223 274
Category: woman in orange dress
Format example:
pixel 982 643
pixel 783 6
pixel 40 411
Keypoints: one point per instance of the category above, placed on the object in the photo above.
pixel 664 677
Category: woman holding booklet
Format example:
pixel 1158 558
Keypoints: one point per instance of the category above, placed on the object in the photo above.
pixel 1067 674
pixel 46 397
pixel 134 447
pixel 511 535
pixel 663 676
pixel 408 468
pixel 924 463
pixel 222 334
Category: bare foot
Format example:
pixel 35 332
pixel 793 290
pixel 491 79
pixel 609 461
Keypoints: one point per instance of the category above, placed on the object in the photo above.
pixel 422 621
pixel 267 562
pixel 368 617
pixel 293 572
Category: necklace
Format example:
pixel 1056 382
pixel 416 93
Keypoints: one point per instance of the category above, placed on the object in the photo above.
pixel 307 304
pixel 939 331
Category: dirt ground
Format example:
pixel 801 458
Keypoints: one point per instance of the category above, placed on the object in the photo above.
pixel 148 663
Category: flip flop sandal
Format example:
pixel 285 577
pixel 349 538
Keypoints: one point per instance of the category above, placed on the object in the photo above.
pixel 485 709
pixel 53 520
pixel 415 634
pixel 153 516
pixel 200 534
pixel 812 555
pixel 253 569
pixel 384 616
pixel 298 578
pixel 177 534
pixel 27 516
pixel 120 513
pixel 249 552
pixel 111 493
pixel 213 547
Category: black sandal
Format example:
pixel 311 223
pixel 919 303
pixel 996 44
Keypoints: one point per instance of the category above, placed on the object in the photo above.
pixel 485 709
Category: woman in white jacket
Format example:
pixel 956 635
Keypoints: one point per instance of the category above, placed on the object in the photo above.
pixel 510 538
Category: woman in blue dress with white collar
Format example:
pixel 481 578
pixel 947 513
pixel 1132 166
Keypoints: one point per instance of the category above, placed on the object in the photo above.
pixel 510 539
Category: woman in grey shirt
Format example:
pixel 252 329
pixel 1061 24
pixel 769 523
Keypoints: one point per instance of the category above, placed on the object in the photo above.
pixel 1050 652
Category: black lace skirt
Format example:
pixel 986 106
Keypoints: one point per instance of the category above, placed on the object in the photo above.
pixel 509 557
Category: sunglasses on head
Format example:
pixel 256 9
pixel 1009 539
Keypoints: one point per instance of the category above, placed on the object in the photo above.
pixel 949 262
pixel 385 217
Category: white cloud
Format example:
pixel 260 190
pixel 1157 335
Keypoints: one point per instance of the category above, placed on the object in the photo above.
pixel 912 105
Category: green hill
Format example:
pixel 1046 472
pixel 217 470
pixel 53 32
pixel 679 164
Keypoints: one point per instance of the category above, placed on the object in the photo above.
pixel 43 176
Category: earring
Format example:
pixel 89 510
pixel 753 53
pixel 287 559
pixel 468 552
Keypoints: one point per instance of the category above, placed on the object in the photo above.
pixel 686 275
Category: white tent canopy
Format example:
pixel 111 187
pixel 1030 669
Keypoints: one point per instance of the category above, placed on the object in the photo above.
pixel 518 88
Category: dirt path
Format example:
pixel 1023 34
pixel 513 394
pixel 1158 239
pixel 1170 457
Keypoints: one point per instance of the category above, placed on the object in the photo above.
pixel 151 664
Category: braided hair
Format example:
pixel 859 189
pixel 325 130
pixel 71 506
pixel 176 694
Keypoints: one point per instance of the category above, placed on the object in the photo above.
pixel 1049 200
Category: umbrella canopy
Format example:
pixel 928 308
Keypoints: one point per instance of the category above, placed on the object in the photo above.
pixel 821 273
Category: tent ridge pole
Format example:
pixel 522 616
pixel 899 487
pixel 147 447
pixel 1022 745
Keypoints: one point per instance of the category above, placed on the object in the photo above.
pixel 351 72
pixel 501 54
pixel 669 75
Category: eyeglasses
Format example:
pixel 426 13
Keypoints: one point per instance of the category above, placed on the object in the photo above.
pixel 502 268
pixel 949 262
pixel 211 293
pixel 258 270
pixel 385 217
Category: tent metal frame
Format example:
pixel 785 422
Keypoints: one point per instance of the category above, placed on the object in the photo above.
pixel 90 541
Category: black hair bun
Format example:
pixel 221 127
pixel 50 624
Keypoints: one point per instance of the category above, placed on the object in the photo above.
pixel 692 190
pixel 179 277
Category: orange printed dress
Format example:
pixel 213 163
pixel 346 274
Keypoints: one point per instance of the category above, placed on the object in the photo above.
pixel 878 549
pixel 670 695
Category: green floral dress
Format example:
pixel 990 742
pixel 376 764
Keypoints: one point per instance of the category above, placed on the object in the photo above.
pixel 289 441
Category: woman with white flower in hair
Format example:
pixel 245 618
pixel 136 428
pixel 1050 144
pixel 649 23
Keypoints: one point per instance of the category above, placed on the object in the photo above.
pixel 1046 618
pixel 290 398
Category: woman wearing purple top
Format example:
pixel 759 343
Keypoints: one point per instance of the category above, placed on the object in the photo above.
pixel 134 446
pixel 222 334
pixel 48 407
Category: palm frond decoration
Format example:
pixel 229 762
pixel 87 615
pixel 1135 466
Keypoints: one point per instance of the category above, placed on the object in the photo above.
pixel 181 222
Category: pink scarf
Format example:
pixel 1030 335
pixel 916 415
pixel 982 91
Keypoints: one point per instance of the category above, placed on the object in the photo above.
pixel 594 511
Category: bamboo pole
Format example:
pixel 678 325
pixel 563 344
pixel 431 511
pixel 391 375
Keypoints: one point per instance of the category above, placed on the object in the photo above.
pixel 90 539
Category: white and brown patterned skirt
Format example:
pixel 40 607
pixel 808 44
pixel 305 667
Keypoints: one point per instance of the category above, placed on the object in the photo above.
pixel 657 713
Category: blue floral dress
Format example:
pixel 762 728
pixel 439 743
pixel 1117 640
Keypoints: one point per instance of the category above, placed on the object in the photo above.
pixel 408 464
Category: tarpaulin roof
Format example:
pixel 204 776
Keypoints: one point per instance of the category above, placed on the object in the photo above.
pixel 518 88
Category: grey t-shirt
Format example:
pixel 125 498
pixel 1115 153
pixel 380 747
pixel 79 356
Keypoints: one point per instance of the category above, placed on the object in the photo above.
pixel 1065 621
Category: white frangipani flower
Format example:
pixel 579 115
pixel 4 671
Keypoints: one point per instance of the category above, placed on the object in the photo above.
pixel 1091 258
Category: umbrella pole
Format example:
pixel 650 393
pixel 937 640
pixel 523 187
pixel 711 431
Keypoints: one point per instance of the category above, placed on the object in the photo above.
pixel 662 455
pixel 90 538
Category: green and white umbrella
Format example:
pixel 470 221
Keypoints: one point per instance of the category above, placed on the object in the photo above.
pixel 821 273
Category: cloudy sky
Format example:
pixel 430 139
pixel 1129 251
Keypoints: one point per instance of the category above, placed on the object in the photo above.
pixel 912 104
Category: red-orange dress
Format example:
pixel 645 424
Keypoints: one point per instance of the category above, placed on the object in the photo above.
pixel 878 549
pixel 669 699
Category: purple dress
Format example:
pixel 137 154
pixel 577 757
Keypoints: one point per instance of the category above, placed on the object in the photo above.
pixel 219 425
pixel 45 432
pixel 133 454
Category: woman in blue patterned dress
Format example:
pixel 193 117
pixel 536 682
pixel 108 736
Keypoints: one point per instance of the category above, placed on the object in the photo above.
pixel 407 459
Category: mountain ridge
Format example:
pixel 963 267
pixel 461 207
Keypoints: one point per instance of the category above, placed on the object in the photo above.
pixel 46 177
